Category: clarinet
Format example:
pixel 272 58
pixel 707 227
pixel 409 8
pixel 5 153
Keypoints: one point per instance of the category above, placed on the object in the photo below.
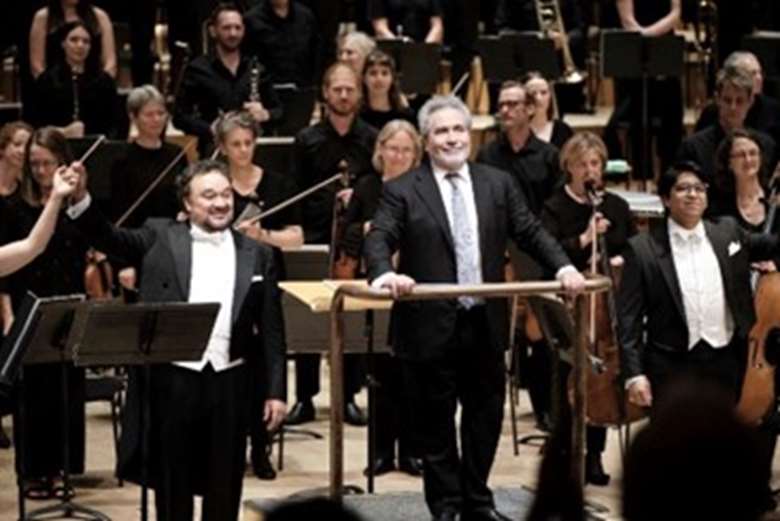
pixel 76 106
pixel 254 88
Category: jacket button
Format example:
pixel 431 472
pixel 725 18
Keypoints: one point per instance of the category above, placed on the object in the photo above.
pixel 165 285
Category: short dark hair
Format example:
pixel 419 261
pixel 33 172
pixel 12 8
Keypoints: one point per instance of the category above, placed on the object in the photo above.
pixel 196 169
pixel 669 178
pixel 223 7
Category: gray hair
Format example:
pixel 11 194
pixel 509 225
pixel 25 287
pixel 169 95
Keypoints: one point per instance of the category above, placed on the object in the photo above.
pixel 140 96
pixel 736 59
pixel 364 43
pixel 232 120
pixel 738 78
pixel 437 103
pixel 387 133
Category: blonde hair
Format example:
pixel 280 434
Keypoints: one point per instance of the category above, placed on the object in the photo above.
pixel 388 132
pixel 578 145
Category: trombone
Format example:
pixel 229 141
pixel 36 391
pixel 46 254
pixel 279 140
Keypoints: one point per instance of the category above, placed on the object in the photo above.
pixel 548 13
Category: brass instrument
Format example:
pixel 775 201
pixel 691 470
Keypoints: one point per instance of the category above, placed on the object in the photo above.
pixel 548 12
pixel 705 32
pixel 255 69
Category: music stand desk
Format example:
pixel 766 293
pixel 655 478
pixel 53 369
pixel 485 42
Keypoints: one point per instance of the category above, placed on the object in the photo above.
pixel 318 295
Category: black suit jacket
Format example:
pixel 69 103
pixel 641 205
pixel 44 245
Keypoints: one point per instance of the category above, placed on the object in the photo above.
pixel 411 219
pixel 162 249
pixel 650 288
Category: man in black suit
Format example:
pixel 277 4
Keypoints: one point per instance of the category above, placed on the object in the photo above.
pixel 450 221
pixel 200 410
pixel 686 286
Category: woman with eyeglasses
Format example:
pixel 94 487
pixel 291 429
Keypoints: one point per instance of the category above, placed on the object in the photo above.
pixel 59 270
pixel 398 149
pixel 383 100
pixel 740 185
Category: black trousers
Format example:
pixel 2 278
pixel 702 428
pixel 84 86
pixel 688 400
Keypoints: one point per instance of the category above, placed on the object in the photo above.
pixel 471 374
pixel 307 376
pixel 201 420
pixel 393 417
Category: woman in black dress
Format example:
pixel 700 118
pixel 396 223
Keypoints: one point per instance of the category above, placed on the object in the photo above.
pixel 545 123
pixel 73 93
pixel 569 217
pixel 398 149
pixel 144 158
pixel 253 185
pixel 384 101
pixel 59 270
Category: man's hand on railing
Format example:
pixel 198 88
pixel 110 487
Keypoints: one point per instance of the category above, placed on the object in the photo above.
pixel 573 282
pixel 398 284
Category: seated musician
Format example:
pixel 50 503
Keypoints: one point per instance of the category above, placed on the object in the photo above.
pixel 545 123
pixel 398 150
pixel 354 48
pixel 252 184
pixel 74 93
pixel 685 298
pixel 384 100
pixel 570 217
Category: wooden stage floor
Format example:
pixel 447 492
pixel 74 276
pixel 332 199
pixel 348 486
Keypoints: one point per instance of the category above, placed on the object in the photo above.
pixel 306 467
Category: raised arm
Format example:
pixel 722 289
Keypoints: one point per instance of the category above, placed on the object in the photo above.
pixel 17 254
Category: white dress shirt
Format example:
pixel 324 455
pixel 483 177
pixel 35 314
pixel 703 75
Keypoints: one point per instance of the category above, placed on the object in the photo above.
pixel 701 285
pixel 213 279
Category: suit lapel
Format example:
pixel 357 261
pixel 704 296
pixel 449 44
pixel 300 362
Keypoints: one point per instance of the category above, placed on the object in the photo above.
pixel 482 201
pixel 181 247
pixel 246 252
pixel 429 192
pixel 663 251
pixel 720 247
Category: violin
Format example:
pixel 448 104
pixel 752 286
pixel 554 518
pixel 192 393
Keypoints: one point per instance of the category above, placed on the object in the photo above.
pixel 758 386
pixel 342 266
pixel 607 401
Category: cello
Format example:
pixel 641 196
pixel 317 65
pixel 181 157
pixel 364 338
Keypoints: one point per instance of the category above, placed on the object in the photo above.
pixel 607 400
pixel 758 386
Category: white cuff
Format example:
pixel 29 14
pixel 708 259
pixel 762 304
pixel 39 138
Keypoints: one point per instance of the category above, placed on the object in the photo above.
pixel 378 282
pixel 634 379
pixel 569 268
pixel 74 211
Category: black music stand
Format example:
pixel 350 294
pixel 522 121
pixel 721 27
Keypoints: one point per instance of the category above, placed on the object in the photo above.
pixel 766 46
pixel 47 336
pixel 143 335
pixel 417 63
pixel 629 55
pixel 512 54
pixel 298 105
pixel 274 153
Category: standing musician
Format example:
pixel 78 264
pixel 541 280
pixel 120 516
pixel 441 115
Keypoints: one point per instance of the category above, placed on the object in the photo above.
pixel 223 80
pixel 398 150
pixel 318 150
pixel 73 93
pixel 569 217
pixel 200 409
pixel 733 97
pixel 59 270
pixel 533 163
pixel 764 113
pixel 145 158
pixel 450 221
pixel 685 298
pixel 252 184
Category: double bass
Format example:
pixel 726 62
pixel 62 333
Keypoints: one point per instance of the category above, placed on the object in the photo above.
pixel 607 400
pixel 758 386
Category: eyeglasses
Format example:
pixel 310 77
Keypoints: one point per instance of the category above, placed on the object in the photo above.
pixel 690 188
pixel 746 154
pixel 510 103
